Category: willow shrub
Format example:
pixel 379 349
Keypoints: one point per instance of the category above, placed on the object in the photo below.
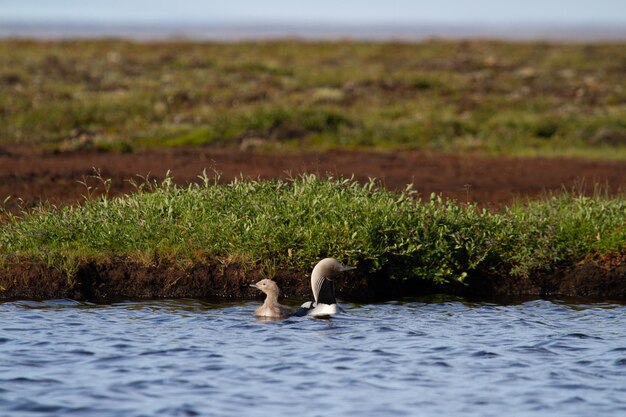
pixel 293 223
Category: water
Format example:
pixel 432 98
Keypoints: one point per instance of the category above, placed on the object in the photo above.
pixel 437 356
pixel 584 32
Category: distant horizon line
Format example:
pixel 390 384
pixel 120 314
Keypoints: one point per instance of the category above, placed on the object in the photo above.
pixel 310 22
pixel 311 30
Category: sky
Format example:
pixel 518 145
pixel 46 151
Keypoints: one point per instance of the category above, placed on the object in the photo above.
pixel 564 12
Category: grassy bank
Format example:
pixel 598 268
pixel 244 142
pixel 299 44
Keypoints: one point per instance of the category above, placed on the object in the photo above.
pixel 291 224
pixel 490 97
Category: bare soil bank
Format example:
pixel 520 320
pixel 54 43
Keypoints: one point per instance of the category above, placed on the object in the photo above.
pixel 120 280
pixel 35 176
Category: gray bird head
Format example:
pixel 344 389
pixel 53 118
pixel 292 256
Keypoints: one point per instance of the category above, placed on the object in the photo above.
pixel 321 280
pixel 267 286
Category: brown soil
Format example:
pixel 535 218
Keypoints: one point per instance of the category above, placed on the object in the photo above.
pixel 123 280
pixel 33 176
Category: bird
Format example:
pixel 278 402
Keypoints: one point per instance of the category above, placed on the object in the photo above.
pixel 271 308
pixel 324 303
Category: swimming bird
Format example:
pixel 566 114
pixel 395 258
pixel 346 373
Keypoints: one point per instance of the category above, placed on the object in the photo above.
pixel 323 286
pixel 271 308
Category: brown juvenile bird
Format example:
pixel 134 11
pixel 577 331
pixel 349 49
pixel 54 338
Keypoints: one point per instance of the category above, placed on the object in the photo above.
pixel 271 308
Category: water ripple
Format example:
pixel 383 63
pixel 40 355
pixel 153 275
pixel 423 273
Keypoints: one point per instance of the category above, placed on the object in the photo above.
pixel 428 356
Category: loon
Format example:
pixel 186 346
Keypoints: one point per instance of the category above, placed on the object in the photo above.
pixel 324 302
pixel 271 308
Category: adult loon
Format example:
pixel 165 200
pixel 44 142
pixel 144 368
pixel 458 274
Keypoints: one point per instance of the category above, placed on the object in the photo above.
pixel 323 286
pixel 271 308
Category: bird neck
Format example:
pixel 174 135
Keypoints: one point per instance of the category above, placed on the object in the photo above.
pixel 271 299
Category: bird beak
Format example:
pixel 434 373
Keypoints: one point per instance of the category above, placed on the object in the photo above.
pixel 254 285
pixel 347 268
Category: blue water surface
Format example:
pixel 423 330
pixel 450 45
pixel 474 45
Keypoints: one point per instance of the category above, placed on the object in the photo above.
pixel 423 357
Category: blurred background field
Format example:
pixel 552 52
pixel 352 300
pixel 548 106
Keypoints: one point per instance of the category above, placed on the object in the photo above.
pixel 485 102
pixel 470 96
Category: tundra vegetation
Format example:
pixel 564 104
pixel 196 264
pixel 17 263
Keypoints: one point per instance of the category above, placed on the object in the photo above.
pixel 499 98
pixel 484 97
pixel 292 223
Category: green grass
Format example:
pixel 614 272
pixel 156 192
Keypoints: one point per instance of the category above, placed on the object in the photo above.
pixel 294 223
pixel 489 97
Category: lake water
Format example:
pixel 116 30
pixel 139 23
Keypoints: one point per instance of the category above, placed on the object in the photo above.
pixel 422 357
pixel 365 32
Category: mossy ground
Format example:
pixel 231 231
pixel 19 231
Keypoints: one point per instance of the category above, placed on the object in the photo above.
pixel 472 96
